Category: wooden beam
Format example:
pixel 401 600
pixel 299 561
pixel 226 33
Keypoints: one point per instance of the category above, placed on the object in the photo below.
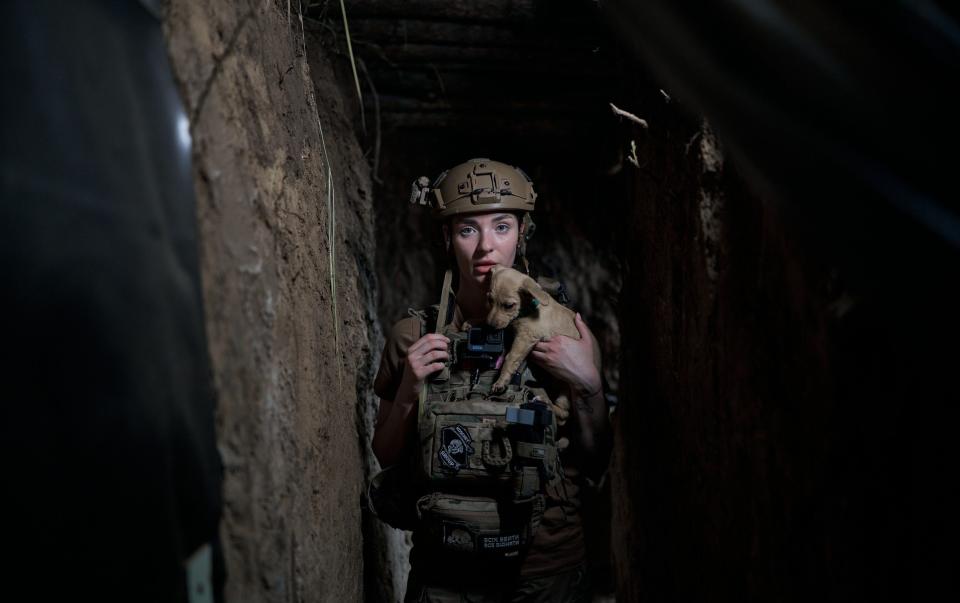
pixel 445 53
pixel 494 124
pixel 492 106
pixel 491 83
pixel 473 10
pixel 442 33
pixel 455 59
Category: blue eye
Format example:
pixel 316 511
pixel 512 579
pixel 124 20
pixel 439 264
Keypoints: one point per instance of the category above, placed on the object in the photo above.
pixel 503 227
pixel 466 231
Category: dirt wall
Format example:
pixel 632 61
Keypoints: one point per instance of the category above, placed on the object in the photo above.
pixel 285 226
pixel 760 439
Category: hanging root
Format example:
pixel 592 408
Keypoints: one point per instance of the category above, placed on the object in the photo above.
pixel 621 113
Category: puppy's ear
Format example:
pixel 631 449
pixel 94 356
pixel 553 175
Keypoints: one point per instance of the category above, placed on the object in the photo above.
pixel 532 289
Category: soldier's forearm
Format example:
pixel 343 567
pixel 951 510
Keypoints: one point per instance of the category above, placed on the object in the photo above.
pixel 593 430
pixel 390 433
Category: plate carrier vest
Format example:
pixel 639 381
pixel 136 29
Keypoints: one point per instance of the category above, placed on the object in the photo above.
pixel 485 459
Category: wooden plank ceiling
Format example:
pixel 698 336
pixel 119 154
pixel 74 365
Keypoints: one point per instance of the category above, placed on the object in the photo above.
pixel 487 64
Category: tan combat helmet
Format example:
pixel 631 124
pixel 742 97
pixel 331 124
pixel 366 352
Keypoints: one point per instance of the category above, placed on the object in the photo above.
pixel 477 185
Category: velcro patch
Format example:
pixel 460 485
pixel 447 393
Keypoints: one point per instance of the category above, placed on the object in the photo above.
pixel 458 538
pixel 501 543
pixel 456 446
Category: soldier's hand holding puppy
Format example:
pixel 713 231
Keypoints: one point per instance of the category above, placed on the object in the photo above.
pixel 517 301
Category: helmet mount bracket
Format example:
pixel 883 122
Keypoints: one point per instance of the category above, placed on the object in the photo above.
pixel 477 185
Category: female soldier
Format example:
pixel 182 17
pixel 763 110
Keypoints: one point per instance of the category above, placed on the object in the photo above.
pixel 484 206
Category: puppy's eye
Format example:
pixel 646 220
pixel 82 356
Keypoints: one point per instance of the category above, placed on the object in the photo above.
pixel 508 305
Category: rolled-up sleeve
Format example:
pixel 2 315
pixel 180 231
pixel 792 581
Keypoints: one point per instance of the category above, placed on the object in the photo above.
pixel 403 333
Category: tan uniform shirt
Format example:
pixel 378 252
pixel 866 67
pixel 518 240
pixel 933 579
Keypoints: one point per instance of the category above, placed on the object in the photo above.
pixel 558 544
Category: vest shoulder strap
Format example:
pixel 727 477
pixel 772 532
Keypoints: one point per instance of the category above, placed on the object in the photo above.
pixel 556 288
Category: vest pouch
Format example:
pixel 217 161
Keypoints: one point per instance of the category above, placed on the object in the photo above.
pixel 475 525
pixel 466 440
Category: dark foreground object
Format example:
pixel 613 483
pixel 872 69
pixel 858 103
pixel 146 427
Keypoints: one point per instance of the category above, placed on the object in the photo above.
pixel 111 477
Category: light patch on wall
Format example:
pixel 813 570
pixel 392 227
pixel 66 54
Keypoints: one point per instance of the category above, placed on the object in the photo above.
pixel 183 132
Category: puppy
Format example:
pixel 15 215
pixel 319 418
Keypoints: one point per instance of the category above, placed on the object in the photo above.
pixel 516 300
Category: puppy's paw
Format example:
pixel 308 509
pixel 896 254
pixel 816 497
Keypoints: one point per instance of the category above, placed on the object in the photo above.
pixel 563 443
pixel 499 386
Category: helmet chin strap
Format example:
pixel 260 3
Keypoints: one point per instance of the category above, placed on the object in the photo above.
pixel 527 229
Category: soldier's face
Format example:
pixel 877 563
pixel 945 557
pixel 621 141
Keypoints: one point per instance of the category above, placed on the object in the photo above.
pixel 481 241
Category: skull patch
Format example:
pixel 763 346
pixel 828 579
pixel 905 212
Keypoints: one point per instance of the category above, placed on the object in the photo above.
pixel 455 447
